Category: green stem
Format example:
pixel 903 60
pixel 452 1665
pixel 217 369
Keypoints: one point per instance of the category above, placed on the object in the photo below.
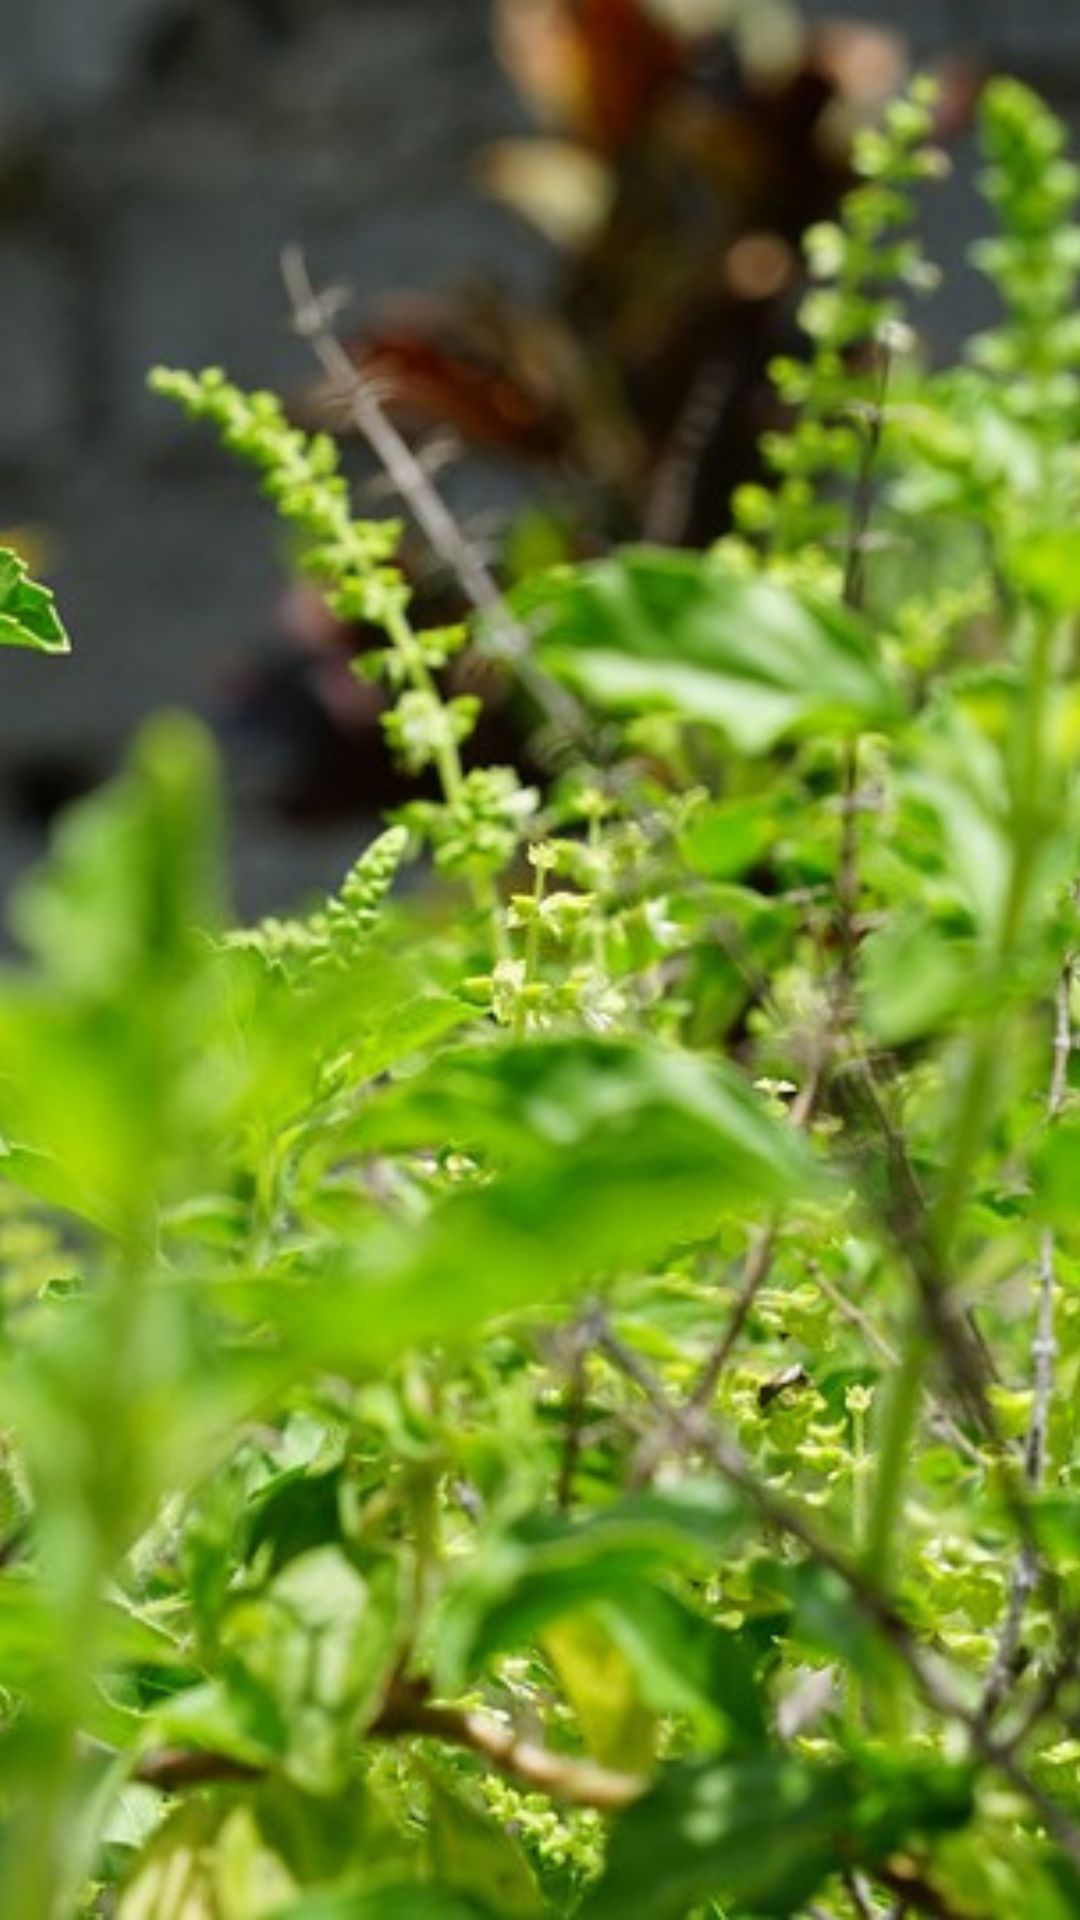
pixel 449 769
pixel 975 1107
pixel 901 1414
pixel 532 937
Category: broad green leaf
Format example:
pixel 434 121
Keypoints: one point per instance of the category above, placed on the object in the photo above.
pixel 619 1152
pixel 303 1669
pixel 652 630
pixel 125 1010
pixel 686 1663
pixel 133 883
pixel 251 1879
pixel 28 616
pixel 408 1024
pixel 1046 565
pixel 913 980
pixel 762 1833
pixel 1056 1173
pixel 319 1644
pixel 999 1869
pixel 409 1902
pixel 528 1101
pixel 235 1718
pixel 960 775
pixel 474 1855
pixel 601 1684
pixel 726 837
pixel 328 1841
pixel 544 1568
pixel 253 1853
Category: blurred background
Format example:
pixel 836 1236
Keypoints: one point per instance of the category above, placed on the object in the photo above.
pixel 569 229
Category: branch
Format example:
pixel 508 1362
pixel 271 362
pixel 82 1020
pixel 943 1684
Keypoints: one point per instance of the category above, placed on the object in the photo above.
pixel 564 1776
pixel 312 317
pixel 941 1419
pixel 916 1895
pixel 760 1258
pixel 407 1713
pixel 859 1894
pixel 904 1212
pixel 178 1769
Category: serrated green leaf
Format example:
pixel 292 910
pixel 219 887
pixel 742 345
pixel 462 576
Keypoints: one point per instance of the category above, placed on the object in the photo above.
pixel 652 630
pixel 28 615
pixel 616 1153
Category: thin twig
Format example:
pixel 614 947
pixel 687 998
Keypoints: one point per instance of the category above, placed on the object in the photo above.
pixel 1044 1346
pixel 578 1782
pixel 904 1211
pixel 574 1412
pixel 181 1769
pixel 859 1894
pixel 940 1418
pixel 760 1257
pixel 1003 1667
pixel 313 317
pixel 408 1712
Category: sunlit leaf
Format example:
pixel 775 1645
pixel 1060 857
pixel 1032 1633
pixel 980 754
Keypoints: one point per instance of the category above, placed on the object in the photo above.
pixel 28 615
pixel 544 1568
pixel 672 632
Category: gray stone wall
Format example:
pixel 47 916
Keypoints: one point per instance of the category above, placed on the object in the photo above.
pixel 154 159
pixel 155 155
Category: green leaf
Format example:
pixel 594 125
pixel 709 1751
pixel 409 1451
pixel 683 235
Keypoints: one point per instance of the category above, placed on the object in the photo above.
pixel 254 1853
pixel 320 1644
pixel 1056 1171
pixel 409 1902
pixel 28 616
pixel 726 837
pixel 206 1863
pixel 618 1151
pixel 913 980
pixel 685 634
pixel 304 1667
pixel 472 1854
pixel 544 1568
pixel 134 882
pixel 1046 565
pixel 762 1833
pixel 686 1663
pixel 537 1101
pixel 126 1008
pixel 601 1684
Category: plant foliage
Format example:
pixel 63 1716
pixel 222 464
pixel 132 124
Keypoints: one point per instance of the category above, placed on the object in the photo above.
pixel 553 1392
